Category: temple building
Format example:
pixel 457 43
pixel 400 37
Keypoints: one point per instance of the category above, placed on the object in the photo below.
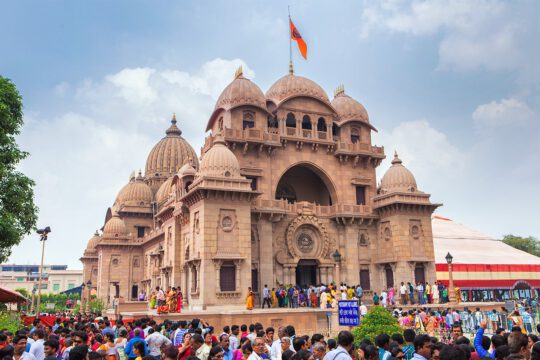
pixel 284 183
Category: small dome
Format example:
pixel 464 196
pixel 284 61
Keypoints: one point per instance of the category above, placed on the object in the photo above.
pixel 170 153
pixel 241 91
pixel 219 161
pixel 398 178
pixel 115 227
pixel 348 108
pixel 92 243
pixel 164 191
pixel 292 86
pixel 135 193
pixel 186 170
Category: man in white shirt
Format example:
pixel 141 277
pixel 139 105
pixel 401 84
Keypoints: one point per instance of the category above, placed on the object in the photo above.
pixel 258 349
pixel 275 349
pixel 38 349
pixel 403 293
pixel 201 349
pixel 266 297
pixel 155 341
pixel 20 342
pixel 233 338
pixel 345 342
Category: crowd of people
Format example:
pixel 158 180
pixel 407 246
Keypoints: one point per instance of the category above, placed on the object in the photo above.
pixel 82 338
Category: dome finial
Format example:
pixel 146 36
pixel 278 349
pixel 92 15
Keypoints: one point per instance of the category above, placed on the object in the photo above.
pixel 132 176
pixel 173 129
pixel 239 73
pixel 340 90
pixel 291 71
pixel 396 159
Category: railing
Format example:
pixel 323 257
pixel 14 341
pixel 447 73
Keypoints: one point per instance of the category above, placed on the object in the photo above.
pixel 266 205
pixel 290 131
pixel 322 135
pixel 307 133
pixel 359 148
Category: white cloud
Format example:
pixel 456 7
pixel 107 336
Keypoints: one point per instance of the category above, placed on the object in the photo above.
pixel 505 112
pixel 480 34
pixel 424 150
pixel 82 156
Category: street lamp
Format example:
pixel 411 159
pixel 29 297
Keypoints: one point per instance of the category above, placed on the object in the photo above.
pixel 337 259
pixel 33 295
pixel 451 292
pixel 89 286
pixel 82 298
pixel 43 235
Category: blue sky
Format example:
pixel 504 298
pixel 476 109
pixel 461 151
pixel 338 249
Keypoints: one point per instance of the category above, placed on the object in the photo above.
pixel 452 85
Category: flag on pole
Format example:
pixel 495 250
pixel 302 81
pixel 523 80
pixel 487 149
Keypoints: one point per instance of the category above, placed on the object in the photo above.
pixel 295 35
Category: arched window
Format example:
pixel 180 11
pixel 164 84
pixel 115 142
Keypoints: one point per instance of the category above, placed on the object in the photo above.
pixel 335 131
pixel 272 122
pixel 220 123
pixel 290 121
pixel 306 123
pixel 389 276
pixel 227 276
pixel 248 121
pixel 355 135
pixel 321 125
pixel 186 188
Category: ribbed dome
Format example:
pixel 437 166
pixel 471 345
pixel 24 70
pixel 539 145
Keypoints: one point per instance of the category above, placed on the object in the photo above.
pixel 291 86
pixel 219 161
pixel 115 227
pixel 170 153
pixel 241 91
pixel 92 243
pixel 135 193
pixel 398 178
pixel 348 108
pixel 164 191
pixel 187 169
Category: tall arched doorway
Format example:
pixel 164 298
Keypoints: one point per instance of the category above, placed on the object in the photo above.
pixel 305 182
pixel 306 273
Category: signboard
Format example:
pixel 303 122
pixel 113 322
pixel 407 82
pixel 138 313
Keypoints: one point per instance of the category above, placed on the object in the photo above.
pixel 348 313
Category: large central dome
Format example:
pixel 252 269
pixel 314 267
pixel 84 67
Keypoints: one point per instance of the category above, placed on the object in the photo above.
pixel 290 86
pixel 170 153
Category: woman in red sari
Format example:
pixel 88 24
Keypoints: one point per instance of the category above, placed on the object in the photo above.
pixel 179 299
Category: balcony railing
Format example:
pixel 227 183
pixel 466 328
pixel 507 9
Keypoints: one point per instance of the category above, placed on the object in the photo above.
pixel 282 206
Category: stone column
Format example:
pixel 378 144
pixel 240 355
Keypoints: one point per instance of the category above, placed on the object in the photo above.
pixel 266 259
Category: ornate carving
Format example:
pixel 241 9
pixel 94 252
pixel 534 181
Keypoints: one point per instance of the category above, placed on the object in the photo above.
pixel 305 242
pixel 227 223
pixel 311 226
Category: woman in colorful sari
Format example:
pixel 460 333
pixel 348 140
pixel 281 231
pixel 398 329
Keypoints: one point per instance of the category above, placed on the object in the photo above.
pixel 313 296
pixel 250 299
pixel 179 300
pixel 152 302
pixel 274 298
pixel 169 298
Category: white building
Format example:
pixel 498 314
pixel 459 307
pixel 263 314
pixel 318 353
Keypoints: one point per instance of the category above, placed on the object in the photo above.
pixel 56 278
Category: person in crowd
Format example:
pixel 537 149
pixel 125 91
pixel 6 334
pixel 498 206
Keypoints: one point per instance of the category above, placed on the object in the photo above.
pixel 250 299
pixel 422 347
pixel 345 342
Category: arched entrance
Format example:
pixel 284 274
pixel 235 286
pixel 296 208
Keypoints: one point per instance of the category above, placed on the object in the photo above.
pixel 305 182
pixel 306 272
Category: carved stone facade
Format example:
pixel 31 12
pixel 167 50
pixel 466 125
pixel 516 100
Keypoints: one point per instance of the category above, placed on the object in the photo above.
pixel 285 179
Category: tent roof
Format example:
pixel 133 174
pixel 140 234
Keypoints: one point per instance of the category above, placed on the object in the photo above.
pixel 469 246
pixel 10 296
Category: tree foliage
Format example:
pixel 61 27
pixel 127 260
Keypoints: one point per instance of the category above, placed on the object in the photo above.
pixel 378 320
pixel 528 244
pixel 18 214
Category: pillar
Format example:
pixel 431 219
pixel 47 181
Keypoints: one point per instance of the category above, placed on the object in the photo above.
pixel 266 260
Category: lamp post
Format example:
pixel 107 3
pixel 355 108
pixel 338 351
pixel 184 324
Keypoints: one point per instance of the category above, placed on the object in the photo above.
pixel 33 296
pixel 451 291
pixel 43 234
pixel 89 286
pixel 337 259
pixel 81 309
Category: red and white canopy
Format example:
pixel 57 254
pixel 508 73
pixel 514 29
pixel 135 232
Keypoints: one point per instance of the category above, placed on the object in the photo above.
pixel 479 260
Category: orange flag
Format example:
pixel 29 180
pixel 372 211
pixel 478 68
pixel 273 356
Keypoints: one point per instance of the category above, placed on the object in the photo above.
pixel 295 35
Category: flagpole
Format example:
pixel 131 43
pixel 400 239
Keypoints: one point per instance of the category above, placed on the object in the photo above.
pixel 290 41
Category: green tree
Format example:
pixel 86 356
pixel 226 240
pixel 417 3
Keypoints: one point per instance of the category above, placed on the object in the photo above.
pixel 378 320
pixel 23 292
pixel 18 214
pixel 528 244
